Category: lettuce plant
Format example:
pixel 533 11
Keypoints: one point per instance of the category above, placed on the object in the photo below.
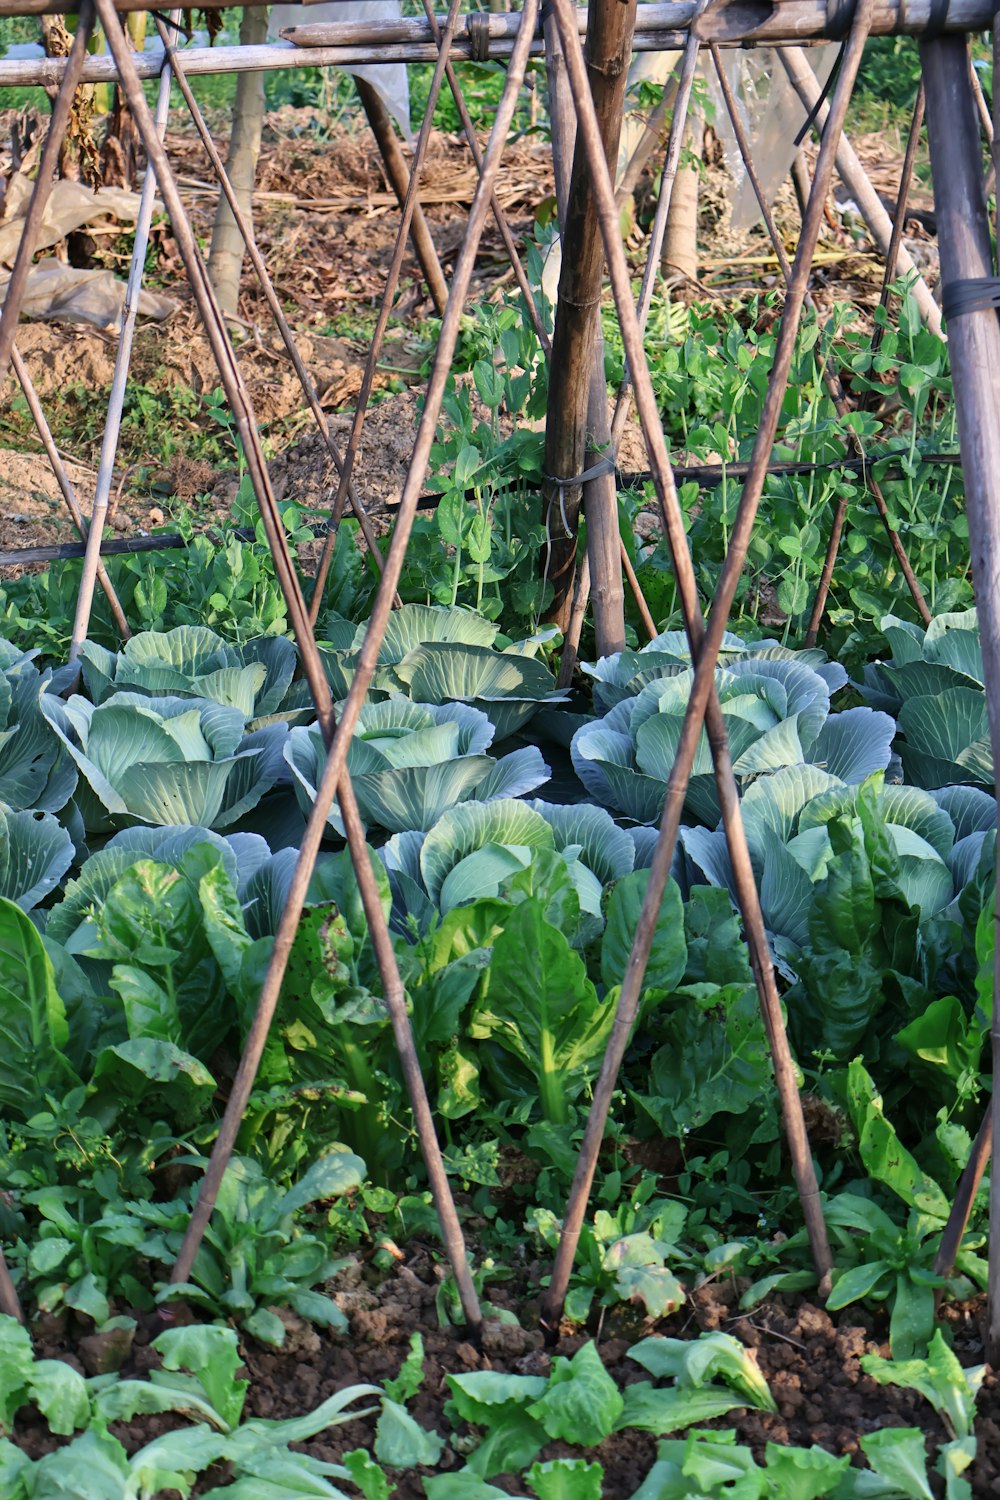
pixel 166 760
pixel 933 683
pixel 411 762
pixel 777 714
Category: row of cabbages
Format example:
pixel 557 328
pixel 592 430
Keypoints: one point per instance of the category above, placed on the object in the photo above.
pixel 186 729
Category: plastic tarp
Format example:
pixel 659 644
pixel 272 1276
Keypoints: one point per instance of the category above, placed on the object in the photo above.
pixel 69 295
pixel 389 80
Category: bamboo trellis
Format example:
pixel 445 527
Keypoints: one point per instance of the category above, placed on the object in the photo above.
pixel 690 25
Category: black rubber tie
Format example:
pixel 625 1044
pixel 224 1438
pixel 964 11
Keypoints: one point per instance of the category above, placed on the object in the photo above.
pixel 973 294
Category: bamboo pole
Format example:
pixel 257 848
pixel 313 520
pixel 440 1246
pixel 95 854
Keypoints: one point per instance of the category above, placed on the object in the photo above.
pixel 339 782
pixel 804 82
pixel 61 111
pixel 661 27
pixel 382 321
pixel 899 218
pixel 974 346
pixel 703 704
pixel 267 287
pixel 575 342
pixel 116 399
pixel 399 180
pixel 965 1197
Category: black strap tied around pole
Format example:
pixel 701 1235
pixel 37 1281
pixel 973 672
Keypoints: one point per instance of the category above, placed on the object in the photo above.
pixel 975 294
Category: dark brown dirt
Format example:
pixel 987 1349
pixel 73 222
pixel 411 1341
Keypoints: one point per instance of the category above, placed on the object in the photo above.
pixel 810 1359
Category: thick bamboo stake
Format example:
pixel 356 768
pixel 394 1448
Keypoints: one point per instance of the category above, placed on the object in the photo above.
pixel 803 81
pixel 116 400
pixel 703 705
pixel 835 389
pixel 520 275
pixel 267 287
pixel 574 341
pixel 239 1096
pixel 965 1197
pixel 974 346
pixel 58 123
pixel 399 180
pixel 65 485
pixel 382 322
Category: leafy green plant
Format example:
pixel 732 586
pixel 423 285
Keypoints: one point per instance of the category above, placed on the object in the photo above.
pixel 934 685
pixel 777 714
pixel 411 762
pixel 193 662
pixel 166 760
pixel 253 1258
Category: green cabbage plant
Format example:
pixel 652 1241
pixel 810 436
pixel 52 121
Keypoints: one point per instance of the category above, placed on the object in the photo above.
pixel 436 655
pixel 625 673
pixel 933 683
pixel 933 842
pixel 34 771
pixel 477 847
pixel 166 760
pixel 193 662
pixel 410 762
pixel 777 714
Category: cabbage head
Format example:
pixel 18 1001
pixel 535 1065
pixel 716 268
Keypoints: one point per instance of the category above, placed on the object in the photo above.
pixel 932 844
pixel 776 711
pixel 166 760
pixel 411 762
pixel 477 847
pixel 34 771
pixel 933 683
pixel 193 662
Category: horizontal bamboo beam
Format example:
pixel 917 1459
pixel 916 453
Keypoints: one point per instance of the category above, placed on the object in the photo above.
pixel 660 27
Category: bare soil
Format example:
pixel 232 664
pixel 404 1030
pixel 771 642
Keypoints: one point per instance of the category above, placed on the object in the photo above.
pixel 811 1361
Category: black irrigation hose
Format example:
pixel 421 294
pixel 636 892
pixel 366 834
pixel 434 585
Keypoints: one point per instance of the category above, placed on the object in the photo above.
pixel 703 474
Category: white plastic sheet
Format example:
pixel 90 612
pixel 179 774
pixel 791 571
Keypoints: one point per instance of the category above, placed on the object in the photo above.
pixel 70 295
pixel 389 80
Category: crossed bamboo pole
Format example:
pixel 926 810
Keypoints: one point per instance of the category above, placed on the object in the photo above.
pixel 335 780
pixel 267 287
pixel 703 707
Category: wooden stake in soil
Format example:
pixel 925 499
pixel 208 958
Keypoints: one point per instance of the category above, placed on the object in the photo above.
pixel 609 39
pixel 65 486
pixel 9 1301
pixel 705 645
pixel 974 346
pixel 267 287
pixel 805 84
pixel 834 386
pixel 965 1197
